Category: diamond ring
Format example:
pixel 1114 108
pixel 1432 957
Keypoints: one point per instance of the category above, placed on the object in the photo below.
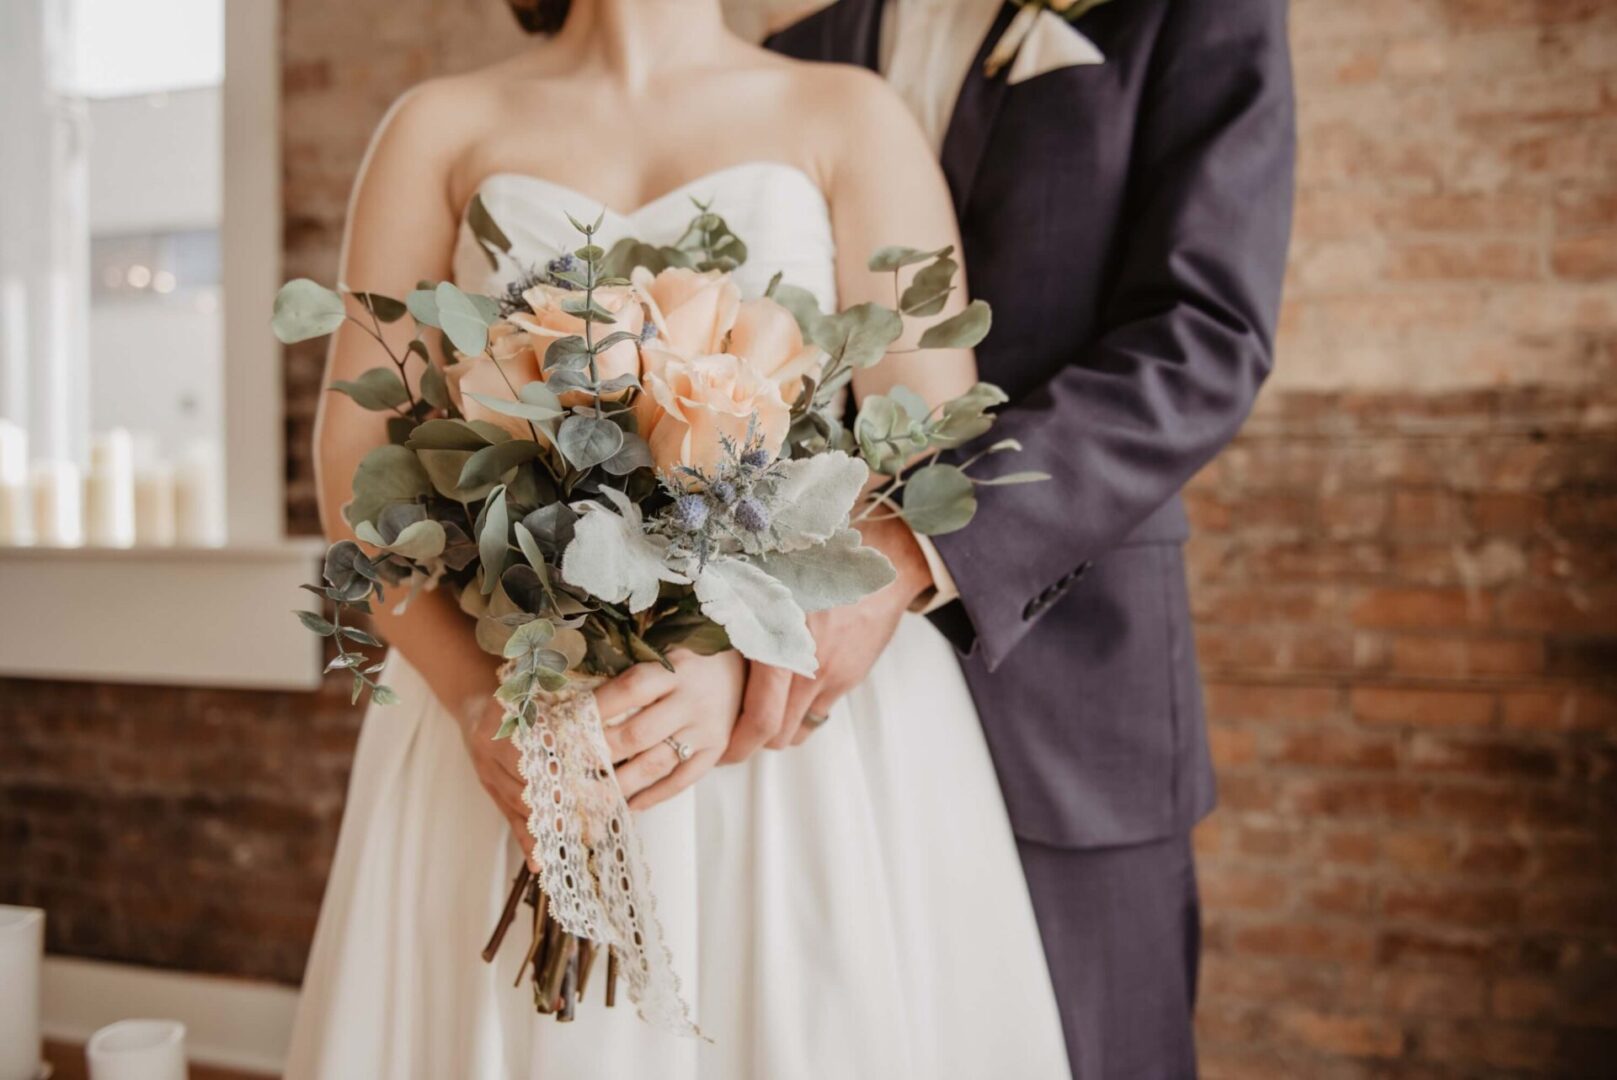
pixel 681 750
pixel 815 719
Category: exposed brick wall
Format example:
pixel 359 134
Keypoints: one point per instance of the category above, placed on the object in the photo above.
pixel 1407 614
pixel 1406 590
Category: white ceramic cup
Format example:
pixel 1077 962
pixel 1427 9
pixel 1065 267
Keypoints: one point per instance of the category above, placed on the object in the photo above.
pixel 22 943
pixel 138 1050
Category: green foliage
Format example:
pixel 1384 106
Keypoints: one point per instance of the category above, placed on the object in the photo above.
pixel 304 310
pixel 379 390
pixel 488 234
pixel 939 499
pixel 386 475
pixel 465 321
pixel 493 538
pixel 963 330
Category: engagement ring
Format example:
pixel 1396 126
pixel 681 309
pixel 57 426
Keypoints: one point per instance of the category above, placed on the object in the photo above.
pixel 681 750
pixel 815 719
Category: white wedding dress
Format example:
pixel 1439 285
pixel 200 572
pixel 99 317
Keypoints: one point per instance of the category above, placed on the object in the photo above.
pixel 852 909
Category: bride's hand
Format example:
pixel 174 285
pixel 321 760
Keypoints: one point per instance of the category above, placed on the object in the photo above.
pixel 496 765
pixel 695 704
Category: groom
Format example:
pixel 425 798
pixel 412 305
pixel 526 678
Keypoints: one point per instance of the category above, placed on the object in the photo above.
pixel 1123 181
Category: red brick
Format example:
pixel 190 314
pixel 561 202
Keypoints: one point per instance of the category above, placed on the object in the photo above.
pixel 1347 1036
pixel 1419 608
pixel 1586 258
pixel 1244 890
pixel 1467 657
pixel 1257 701
pixel 1482 758
pixel 1446 905
pixel 1333 748
pixel 1418 707
pixel 1431 993
pixel 1567 709
pixel 1305 940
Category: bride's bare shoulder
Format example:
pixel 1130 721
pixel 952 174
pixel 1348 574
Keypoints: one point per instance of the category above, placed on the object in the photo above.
pixel 855 113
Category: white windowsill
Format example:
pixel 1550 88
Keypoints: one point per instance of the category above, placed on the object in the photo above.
pixel 171 616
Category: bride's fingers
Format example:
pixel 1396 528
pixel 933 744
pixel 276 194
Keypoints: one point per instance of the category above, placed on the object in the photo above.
pixel 634 689
pixel 643 730
pixel 686 774
pixel 645 769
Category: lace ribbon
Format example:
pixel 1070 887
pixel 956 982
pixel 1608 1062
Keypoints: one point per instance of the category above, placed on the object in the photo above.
pixel 591 863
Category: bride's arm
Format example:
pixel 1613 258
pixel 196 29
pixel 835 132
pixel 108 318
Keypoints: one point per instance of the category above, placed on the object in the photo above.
pixel 401 229
pixel 885 189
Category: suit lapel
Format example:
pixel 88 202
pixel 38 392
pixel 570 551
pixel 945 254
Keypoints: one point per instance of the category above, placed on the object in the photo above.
pixel 966 141
pixel 850 33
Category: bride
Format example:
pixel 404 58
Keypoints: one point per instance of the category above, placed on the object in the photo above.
pixel 851 907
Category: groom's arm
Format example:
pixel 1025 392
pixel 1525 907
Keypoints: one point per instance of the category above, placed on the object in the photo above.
pixel 1187 328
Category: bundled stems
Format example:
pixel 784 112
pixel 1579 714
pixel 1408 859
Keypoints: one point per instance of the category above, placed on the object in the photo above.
pixel 560 962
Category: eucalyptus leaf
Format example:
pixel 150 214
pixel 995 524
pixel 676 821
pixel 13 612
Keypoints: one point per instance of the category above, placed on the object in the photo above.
pixel 529 545
pixel 464 321
pixel 930 288
pixel 837 572
pixel 493 539
pixel 964 330
pixel 587 441
pixel 378 389
pixel 386 475
pixel 568 353
pixel 758 614
pixel 520 409
pixel 1029 477
pixel 529 637
pixel 860 335
pixel 552 526
pixel 422 303
pixel 384 695
pixel 938 499
pixel 450 435
pixel 443 468
pixel 385 308
pixel 634 454
pixel 422 541
pixel 888 259
pixel 488 234
pixel 434 387
pixel 316 623
pixel 305 309
pixel 493 462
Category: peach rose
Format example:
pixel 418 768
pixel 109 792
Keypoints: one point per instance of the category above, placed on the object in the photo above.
pixel 769 339
pixel 517 346
pixel 705 400
pixel 692 310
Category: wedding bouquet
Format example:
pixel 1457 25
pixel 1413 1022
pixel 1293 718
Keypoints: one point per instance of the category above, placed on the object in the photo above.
pixel 619 456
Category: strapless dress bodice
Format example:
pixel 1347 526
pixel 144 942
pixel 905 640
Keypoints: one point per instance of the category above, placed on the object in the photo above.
pixel 776 209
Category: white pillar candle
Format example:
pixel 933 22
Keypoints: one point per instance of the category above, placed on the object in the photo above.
pixel 16 498
pixel 58 504
pixel 109 490
pixel 22 947
pixel 138 1050
pixel 154 505
pixel 199 497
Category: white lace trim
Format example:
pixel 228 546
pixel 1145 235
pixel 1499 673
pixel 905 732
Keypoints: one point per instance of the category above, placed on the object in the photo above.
pixel 591 864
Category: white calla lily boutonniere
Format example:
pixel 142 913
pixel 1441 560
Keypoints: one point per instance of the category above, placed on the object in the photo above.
pixel 1041 38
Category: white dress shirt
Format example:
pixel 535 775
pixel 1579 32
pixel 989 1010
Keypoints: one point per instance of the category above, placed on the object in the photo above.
pixel 927 46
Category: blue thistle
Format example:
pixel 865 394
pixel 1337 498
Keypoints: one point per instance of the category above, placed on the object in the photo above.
pixel 755 458
pixel 648 332
pixel 723 491
pixel 751 515
pixel 690 512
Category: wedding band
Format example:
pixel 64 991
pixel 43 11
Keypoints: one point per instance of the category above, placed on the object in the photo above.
pixel 815 719
pixel 681 750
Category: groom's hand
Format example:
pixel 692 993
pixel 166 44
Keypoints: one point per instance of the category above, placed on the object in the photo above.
pixel 847 642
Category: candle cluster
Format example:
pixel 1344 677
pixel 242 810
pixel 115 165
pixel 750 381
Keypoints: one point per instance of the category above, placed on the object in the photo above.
pixel 129 497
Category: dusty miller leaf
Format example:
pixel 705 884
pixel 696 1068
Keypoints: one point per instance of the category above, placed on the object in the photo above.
pixel 758 614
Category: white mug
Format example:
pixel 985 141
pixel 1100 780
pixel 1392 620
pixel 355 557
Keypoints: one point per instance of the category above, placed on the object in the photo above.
pixel 138 1050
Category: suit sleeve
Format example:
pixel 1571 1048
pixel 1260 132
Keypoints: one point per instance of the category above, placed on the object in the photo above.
pixel 1186 332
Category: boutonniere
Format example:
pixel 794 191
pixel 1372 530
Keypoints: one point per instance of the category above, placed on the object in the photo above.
pixel 1023 25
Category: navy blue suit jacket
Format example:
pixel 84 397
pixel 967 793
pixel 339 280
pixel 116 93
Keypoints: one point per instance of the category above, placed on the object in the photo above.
pixel 1128 222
